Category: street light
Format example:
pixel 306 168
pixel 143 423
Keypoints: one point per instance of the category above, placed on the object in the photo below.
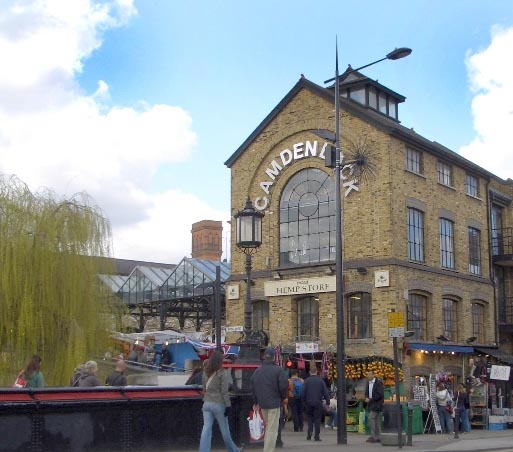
pixel 248 240
pixel 339 157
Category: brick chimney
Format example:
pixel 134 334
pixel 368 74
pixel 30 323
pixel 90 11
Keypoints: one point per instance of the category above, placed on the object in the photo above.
pixel 207 240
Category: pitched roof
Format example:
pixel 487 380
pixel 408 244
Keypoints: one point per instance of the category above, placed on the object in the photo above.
pixel 368 115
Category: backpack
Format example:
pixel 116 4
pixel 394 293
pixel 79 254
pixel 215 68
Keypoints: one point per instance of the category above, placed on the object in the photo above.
pixel 298 386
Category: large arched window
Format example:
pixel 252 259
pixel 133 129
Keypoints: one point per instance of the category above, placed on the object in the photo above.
pixel 307 318
pixel 307 219
pixel 359 315
pixel 450 318
pixel 261 315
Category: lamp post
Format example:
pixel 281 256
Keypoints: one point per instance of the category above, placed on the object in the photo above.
pixel 248 241
pixel 339 157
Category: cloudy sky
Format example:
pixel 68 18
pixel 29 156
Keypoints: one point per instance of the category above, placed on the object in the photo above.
pixel 139 103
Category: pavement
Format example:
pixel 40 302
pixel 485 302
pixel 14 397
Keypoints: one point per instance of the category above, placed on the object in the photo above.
pixel 476 441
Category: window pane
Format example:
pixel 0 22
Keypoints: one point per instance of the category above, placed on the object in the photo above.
pixel 444 174
pixel 413 161
pixel 474 251
pixel 472 185
pixel 359 320
pixel 358 95
pixel 415 235
pixel 449 319
pixel 307 319
pixel 446 243
pixel 417 315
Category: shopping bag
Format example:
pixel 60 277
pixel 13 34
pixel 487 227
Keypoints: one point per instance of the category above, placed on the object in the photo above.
pixel 256 426
pixel 19 382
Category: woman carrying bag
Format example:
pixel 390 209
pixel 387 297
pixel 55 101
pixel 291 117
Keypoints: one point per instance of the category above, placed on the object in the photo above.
pixel 216 403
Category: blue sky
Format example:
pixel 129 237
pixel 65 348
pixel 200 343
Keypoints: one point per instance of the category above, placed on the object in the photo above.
pixel 154 96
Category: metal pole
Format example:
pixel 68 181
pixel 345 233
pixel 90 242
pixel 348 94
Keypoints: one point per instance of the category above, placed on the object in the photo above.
pixel 410 425
pixel 217 298
pixel 397 396
pixel 247 304
pixel 339 243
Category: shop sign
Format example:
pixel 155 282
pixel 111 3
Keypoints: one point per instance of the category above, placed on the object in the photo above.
pixel 307 347
pixel 301 151
pixel 299 286
pixel 500 373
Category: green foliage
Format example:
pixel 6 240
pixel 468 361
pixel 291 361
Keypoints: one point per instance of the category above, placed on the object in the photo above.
pixel 51 302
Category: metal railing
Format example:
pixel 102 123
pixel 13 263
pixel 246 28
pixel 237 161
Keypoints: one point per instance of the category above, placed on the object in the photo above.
pixel 502 241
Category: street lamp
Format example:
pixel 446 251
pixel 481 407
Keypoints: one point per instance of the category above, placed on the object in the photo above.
pixel 339 157
pixel 248 240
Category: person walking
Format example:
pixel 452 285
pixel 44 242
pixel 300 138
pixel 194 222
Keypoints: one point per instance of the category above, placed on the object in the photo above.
pixel 216 403
pixel 374 398
pixel 270 386
pixel 463 406
pixel 295 402
pixel 88 378
pixel 314 391
pixel 117 377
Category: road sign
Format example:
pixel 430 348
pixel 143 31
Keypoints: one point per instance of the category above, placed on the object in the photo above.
pixel 234 329
pixel 395 324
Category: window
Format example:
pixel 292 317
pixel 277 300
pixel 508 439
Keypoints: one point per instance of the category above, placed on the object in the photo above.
pixel 496 223
pixel 474 251
pixel 449 319
pixel 444 173
pixel 414 161
pixel 307 219
pixel 260 316
pixel 472 185
pixel 358 95
pixel 382 103
pixel 415 235
pixel 446 243
pixel 478 322
pixel 417 315
pixel 359 307
pixel 308 318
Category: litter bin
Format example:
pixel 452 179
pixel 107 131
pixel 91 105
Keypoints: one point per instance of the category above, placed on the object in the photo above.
pixel 390 417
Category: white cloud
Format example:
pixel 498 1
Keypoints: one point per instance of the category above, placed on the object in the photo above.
pixel 491 81
pixel 53 135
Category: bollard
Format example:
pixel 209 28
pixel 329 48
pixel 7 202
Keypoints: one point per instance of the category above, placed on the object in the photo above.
pixel 410 426
pixel 456 423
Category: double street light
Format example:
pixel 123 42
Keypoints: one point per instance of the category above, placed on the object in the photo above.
pixel 339 157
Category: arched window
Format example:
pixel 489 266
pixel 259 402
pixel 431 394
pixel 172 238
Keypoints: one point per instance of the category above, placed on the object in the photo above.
pixel 307 318
pixel 450 318
pixel 359 315
pixel 260 315
pixel 307 219
pixel 417 315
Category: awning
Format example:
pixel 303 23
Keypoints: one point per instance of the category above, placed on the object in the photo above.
pixel 496 353
pixel 439 347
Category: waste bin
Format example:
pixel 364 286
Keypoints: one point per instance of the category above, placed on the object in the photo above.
pixel 390 417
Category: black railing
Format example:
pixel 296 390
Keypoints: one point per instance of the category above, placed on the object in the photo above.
pixel 506 311
pixel 502 241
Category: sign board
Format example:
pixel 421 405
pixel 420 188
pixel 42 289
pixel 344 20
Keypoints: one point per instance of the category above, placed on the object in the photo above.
pixel 299 286
pixel 381 278
pixel 307 347
pixel 234 329
pixel 395 324
pixel 232 291
pixel 500 372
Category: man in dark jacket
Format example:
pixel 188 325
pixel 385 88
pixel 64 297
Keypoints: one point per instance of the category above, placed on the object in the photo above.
pixel 270 387
pixel 314 390
pixel 374 395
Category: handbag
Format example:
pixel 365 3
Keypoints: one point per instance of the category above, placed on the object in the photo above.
pixel 449 408
pixel 256 426
pixel 20 382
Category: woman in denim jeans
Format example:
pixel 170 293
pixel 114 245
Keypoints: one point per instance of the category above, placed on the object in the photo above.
pixel 216 403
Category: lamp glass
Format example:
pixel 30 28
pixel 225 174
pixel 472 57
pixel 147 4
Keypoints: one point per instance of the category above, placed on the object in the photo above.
pixel 249 228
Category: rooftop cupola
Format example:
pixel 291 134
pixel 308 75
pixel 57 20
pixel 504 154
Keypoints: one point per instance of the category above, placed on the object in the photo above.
pixel 369 93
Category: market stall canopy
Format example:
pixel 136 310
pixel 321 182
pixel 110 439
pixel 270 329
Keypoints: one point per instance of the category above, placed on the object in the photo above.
pixel 496 353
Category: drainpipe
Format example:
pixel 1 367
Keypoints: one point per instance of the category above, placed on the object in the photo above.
pixel 491 267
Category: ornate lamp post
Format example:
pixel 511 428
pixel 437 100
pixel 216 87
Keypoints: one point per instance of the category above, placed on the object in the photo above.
pixel 339 157
pixel 248 241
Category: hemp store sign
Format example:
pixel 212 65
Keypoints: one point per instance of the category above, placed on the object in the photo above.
pixel 300 151
pixel 299 286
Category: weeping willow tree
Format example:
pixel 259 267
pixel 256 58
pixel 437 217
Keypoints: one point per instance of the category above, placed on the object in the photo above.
pixel 51 302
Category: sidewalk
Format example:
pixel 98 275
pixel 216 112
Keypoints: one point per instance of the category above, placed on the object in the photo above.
pixel 475 441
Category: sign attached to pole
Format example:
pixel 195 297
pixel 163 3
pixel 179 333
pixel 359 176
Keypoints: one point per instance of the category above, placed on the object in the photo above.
pixel 395 324
pixel 234 329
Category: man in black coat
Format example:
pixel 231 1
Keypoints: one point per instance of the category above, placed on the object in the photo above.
pixel 374 396
pixel 314 390
pixel 270 386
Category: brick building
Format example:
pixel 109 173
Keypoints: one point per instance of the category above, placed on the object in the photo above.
pixel 428 233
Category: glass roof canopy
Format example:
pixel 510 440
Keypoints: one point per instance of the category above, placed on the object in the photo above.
pixel 189 279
